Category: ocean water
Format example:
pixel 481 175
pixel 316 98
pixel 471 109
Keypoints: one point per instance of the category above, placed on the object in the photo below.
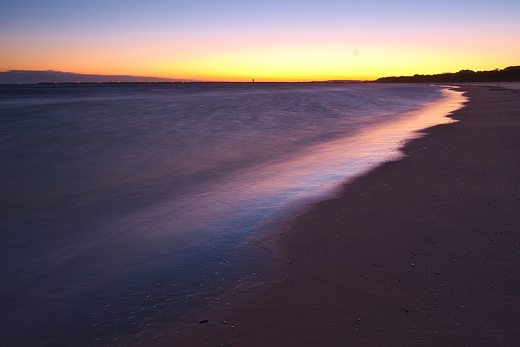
pixel 123 206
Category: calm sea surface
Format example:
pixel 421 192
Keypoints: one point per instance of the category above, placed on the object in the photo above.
pixel 123 205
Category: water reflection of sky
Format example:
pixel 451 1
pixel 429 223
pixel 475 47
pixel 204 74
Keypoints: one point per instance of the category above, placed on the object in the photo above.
pixel 272 189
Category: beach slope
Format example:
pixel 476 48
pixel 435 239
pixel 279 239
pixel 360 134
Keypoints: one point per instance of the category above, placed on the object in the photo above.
pixel 424 251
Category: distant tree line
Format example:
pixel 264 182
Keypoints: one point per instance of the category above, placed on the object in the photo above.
pixel 509 74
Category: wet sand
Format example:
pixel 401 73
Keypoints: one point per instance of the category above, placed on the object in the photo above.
pixel 424 251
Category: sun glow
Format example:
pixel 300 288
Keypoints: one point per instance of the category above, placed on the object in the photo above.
pixel 267 41
pixel 304 63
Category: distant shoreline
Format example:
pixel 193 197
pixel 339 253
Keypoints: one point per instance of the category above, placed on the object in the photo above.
pixel 207 82
pixel 508 74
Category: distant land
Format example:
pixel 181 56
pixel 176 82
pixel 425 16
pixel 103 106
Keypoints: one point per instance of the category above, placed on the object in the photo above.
pixel 509 74
pixel 51 76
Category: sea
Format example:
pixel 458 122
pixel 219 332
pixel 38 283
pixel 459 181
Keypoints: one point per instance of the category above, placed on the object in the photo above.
pixel 125 206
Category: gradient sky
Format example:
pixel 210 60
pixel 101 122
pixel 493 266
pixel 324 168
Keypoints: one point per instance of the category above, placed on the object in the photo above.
pixel 265 40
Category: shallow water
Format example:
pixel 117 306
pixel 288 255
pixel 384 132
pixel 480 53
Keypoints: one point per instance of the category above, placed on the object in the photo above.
pixel 125 202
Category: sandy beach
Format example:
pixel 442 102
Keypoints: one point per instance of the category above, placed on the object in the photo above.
pixel 423 251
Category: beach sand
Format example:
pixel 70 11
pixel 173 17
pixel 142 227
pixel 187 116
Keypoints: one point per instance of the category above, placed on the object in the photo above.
pixel 424 251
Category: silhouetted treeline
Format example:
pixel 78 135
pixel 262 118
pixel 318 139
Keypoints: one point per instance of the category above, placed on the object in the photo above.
pixel 509 74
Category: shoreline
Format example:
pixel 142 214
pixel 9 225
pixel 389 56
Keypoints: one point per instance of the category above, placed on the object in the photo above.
pixel 420 251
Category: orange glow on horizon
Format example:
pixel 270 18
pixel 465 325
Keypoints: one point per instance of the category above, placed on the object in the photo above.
pixel 268 40
pixel 276 61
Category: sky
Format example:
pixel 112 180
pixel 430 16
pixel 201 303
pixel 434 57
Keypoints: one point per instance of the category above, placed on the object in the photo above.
pixel 268 40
